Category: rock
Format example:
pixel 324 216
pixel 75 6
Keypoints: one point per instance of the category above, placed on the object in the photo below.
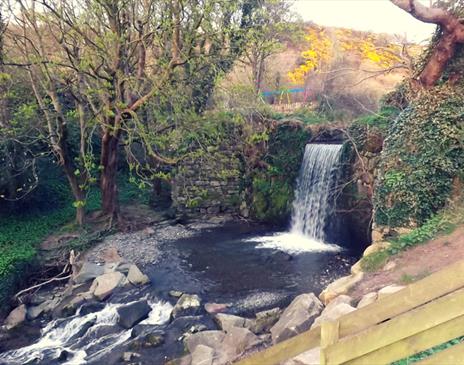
pixel 136 277
pixel 265 320
pixel 376 247
pixel 340 286
pixel 175 293
pixel 88 272
pixel 211 339
pixel 332 312
pixel 203 355
pixel 131 314
pixel 390 289
pixel 16 317
pixel 356 268
pixel 340 299
pixel 389 266
pixel 150 340
pixel 297 317
pixel 91 308
pixel 311 357
pixel 129 356
pixel 104 285
pixel 228 321
pixel 235 343
pixel 367 299
pixel 111 254
pixel 187 305
pixel 377 235
pixel 70 308
pixel 184 360
pixel 83 329
pixel 213 308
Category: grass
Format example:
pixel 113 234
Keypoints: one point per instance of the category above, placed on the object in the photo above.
pixel 443 223
pixel 424 354
pixel 21 234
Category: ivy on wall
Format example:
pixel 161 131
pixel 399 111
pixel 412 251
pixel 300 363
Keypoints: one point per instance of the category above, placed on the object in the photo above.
pixel 423 154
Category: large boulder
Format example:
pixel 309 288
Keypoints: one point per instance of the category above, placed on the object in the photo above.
pixel 133 313
pixel 367 299
pixel 332 312
pixel 88 271
pixel 16 317
pixel 211 339
pixel 136 277
pixel 390 289
pixel 104 285
pixel 297 317
pixel 227 321
pixel 265 320
pixel 339 287
pixel 235 343
pixel 187 305
pixel 202 355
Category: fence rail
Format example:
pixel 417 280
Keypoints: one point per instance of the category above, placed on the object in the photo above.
pixel 422 315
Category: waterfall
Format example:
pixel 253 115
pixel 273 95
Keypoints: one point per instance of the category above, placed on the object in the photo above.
pixel 313 196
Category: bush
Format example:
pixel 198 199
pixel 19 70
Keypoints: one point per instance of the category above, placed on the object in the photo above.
pixel 422 155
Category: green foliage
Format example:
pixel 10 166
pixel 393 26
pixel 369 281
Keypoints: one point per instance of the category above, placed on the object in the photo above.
pixel 381 120
pixel 273 187
pixel 424 354
pixel 305 115
pixel 423 154
pixel 442 223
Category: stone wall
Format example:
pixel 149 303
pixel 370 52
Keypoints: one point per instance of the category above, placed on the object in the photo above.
pixel 208 185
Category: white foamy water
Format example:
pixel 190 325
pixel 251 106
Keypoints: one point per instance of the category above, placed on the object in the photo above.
pixel 293 243
pixel 60 335
pixel 313 201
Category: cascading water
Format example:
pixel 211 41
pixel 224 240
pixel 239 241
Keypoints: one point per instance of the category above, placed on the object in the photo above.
pixel 318 177
pixel 313 203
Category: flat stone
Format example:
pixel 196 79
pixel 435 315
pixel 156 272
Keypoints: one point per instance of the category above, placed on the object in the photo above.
pixel 235 343
pixel 340 286
pixel 16 317
pixel 88 271
pixel 131 314
pixel 213 308
pixel 175 293
pixel 390 289
pixel 297 317
pixel 367 299
pixel 136 277
pixel 104 285
pixel 389 266
pixel 228 321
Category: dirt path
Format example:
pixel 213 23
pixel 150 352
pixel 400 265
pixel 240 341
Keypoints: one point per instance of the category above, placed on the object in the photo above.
pixel 416 263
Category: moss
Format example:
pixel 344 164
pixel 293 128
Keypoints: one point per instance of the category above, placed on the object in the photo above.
pixel 273 187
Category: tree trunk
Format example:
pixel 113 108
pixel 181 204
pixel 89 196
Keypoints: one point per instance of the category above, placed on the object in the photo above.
pixel 442 54
pixel 108 183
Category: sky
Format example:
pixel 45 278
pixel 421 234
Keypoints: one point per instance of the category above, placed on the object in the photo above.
pixel 379 16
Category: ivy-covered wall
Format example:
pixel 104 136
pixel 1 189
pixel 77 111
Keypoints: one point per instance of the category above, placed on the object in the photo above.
pixel 422 157
pixel 271 187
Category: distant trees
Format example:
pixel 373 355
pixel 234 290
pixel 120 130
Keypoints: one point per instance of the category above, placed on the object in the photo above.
pixel 273 24
pixel 451 33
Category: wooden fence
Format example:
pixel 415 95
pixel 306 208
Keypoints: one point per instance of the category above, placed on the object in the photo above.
pixel 424 314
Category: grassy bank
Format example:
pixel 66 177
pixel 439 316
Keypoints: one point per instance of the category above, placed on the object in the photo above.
pixel 22 232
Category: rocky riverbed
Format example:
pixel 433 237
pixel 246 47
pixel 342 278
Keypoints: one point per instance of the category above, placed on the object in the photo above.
pixel 184 276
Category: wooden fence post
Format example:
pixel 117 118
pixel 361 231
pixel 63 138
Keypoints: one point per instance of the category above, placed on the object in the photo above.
pixel 329 336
